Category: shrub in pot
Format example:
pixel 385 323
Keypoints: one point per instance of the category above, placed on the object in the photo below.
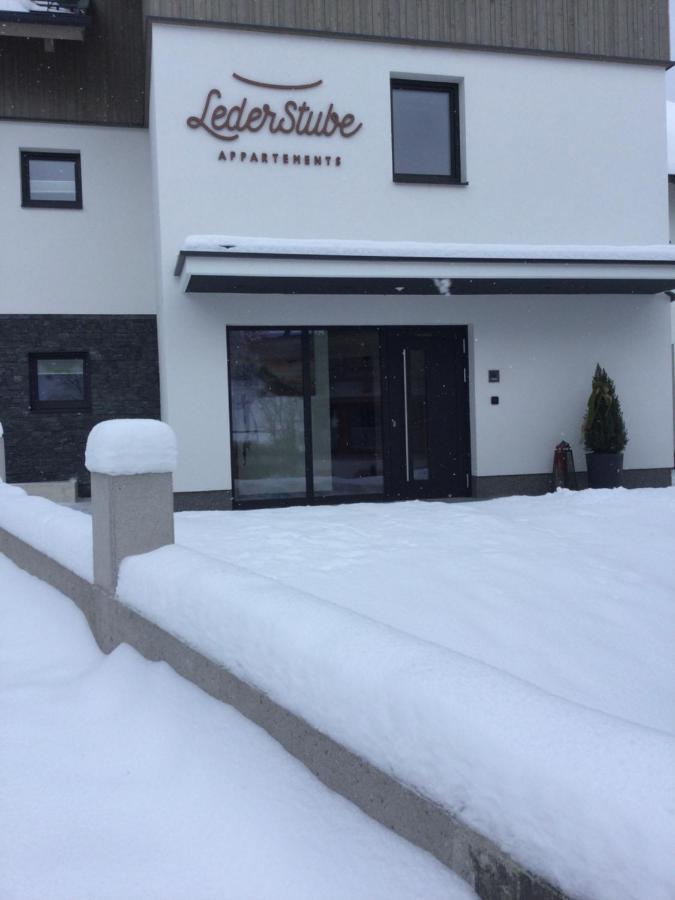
pixel 604 433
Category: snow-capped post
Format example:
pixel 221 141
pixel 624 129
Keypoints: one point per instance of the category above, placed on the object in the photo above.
pixel 3 470
pixel 131 463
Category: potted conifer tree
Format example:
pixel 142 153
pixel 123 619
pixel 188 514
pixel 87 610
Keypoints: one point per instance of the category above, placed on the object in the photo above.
pixel 604 433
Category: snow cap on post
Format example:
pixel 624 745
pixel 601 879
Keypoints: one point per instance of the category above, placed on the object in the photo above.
pixel 131 447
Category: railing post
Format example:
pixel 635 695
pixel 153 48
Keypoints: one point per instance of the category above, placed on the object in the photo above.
pixel 3 468
pixel 131 463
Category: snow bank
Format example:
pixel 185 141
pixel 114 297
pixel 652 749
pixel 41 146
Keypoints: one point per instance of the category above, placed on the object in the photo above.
pixel 571 591
pixel 122 781
pixel 582 797
pixel 59 532
pixel 426 250
pixel 131 447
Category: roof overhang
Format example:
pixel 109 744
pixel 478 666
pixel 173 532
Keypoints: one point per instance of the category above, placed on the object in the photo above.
pixel 54 26
pixel 236 265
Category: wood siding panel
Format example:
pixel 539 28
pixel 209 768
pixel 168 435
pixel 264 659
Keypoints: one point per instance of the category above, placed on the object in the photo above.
pixel 102 79
pixel 635 29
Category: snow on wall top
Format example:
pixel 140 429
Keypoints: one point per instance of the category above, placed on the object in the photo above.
pixel 670 125
pixel 131 447
pixel 220 243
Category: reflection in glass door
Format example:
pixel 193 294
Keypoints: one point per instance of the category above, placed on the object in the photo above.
pixel 346 412
pixel 267 413
pixel 321 414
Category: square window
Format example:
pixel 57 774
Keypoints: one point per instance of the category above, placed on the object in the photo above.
pixel 51 180
pixel 59 381
pixel 425 132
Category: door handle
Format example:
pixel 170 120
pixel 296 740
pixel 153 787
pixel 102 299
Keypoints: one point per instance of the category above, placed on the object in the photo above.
pixel 405 415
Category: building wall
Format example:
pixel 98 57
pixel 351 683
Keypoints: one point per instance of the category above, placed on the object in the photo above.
pixel 98 80
pixel 49 446
pixel 99 259
pixel 101 80
pixel 548 160
pixel 546 348
pixel 622 28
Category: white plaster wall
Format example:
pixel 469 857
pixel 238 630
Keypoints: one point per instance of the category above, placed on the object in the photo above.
pixel 671 211
pixel 97 260
pixel 550 158
pixel 557 151
pixel 545 346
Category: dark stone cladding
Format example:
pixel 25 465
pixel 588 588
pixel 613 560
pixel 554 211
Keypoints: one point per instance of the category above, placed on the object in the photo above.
pixel 49 446
pixel 485 487
pixel 202 500
pixel 489 486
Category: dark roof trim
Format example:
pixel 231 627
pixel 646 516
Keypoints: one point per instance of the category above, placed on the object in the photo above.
pixel 241 254
pixel 254 284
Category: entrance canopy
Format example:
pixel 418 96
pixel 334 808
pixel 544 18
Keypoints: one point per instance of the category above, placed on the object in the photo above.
pixel 241 265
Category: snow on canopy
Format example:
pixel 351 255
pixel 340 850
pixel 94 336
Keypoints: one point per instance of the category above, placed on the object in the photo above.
pixel 220 243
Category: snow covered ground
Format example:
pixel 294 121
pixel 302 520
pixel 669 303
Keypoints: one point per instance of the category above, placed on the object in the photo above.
pixel 572 592
pixel 120 780
pixel 511 659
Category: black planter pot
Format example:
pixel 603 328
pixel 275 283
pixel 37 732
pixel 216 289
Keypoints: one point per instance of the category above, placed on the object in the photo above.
pixel 604 469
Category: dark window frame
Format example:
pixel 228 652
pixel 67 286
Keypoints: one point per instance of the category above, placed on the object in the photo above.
pixel 38 405
pixel 451 88
pixel 310 497
pixel 27 202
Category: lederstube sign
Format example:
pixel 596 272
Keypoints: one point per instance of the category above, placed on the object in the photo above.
pixel 292 117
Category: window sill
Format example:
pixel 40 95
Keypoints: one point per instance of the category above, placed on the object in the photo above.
pixel 423 179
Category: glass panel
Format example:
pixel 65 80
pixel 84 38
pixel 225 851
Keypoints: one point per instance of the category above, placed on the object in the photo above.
pixel 346 412
pixel 421 132
pixel 418 424
pixel 52 179
pixel 268 434
pixel 60 380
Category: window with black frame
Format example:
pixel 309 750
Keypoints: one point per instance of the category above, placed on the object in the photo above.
pixel 51 180
pixel 305 413
pixel 425 132
pixel 59 381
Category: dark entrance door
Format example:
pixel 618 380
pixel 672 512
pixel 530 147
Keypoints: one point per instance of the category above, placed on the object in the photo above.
pixel 426 421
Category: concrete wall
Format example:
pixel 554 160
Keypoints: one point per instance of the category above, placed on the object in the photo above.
pixel 99 259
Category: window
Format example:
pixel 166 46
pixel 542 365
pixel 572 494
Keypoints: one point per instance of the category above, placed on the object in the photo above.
pixel 425 132
pixel 305 413
pixel 59 381
pixel 51 180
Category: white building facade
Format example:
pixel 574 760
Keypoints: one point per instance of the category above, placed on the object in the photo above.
pixel 379 269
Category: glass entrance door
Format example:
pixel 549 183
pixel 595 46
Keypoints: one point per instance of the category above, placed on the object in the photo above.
pixel 427 422
pixel 319 415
